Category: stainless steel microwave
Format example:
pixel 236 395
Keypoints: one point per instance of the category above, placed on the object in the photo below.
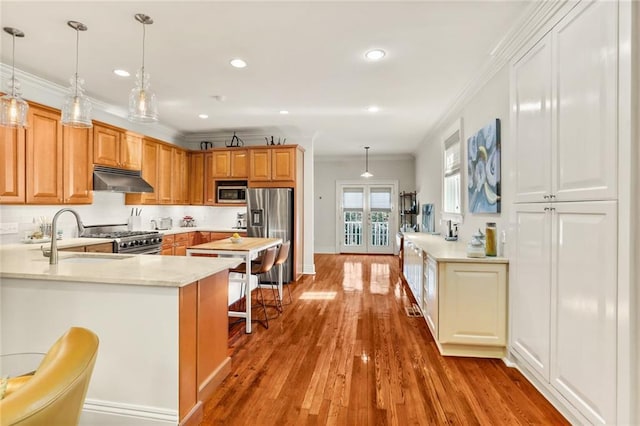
pixel 232 194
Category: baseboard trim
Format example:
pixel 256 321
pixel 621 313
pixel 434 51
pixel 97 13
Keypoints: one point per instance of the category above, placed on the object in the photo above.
pixel 209 385
pixel 554 397
pixel 143 412
pixel 195 416
pixel 309 269
pixel 325 250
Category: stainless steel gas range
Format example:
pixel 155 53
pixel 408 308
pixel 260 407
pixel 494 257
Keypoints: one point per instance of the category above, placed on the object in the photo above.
pixel 125 241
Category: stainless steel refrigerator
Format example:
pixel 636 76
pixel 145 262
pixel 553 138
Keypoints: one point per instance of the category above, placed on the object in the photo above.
pixel 270 215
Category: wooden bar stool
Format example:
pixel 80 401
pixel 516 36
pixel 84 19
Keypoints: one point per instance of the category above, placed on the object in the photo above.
pixel 267 260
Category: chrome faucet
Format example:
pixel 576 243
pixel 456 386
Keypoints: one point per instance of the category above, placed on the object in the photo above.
pixel 53 252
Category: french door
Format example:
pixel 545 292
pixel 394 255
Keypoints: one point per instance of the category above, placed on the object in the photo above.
pixel 366 217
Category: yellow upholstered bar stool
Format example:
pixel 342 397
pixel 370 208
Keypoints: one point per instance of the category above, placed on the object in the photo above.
pixel 55 393
pixel 267 260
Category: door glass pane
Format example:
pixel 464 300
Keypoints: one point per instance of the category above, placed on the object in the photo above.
pixel 380 228
pixel 352 228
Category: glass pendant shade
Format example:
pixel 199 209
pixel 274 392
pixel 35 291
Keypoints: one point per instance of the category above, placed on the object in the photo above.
pixel 76 110
pixel 366 173
pixel 143 106
pixel 13 109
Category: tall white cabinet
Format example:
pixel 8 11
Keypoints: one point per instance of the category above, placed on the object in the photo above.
pixel 563 286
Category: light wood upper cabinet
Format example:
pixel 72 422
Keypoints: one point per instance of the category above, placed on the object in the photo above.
pixel 44 166
pixel 164 174
pixel 209 183
pixel 229 163
pixel 196 178
pixel 59 164
pixel 239 163
pixel 272 164
pixel 131 151
pixel 12 178
pixel 220 164
pixel 179 180
pixel 77 152
pixel 113 147
pixel 150 150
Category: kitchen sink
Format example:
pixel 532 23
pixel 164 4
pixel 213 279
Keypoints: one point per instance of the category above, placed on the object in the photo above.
pixel 82 258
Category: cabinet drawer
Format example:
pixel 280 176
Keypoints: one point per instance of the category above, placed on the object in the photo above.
pixel 182 238
pixel 100 248
pixel 168 240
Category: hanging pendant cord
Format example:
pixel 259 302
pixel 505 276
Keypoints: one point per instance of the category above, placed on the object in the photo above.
pixel 144 33
pixel 13 68
pixel 77 49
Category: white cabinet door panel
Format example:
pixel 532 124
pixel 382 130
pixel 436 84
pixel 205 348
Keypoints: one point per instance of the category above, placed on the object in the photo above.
pixel 431 297
pixel 584 307
pixel 586 91
pixel 531 97
pixel 530 287
pixel 473 298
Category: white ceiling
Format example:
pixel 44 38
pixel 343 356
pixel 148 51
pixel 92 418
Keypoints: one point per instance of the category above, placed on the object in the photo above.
pixel 304 57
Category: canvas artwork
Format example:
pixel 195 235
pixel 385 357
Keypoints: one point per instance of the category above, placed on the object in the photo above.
pixel 483 165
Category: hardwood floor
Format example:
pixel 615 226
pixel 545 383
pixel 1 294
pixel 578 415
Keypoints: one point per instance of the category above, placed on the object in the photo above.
pixel 345 353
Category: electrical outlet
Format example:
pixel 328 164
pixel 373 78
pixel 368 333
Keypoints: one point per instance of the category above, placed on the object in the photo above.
pixel 8 228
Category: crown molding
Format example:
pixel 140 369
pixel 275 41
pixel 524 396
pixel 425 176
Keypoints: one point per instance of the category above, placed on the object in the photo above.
pixel 329 158
pixel 534 22
pixel 42 91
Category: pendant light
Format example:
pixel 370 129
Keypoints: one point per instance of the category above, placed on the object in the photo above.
pixel 143 107
pixel 13 109
pixel 76 111
pixel 366 173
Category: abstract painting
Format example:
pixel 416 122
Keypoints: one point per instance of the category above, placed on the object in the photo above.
pixel 483 166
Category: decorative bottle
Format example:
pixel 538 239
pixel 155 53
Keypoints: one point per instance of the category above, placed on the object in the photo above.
pixel 491 242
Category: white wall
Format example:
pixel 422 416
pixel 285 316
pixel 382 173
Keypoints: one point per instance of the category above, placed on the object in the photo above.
pixel 491 102
pixel 109 208
pixel 329 169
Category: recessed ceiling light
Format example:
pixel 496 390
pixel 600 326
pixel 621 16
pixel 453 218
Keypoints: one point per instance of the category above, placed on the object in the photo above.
pixel 203 116
pixel 121 73
pixel 375 54
pixel 373 108
pixel 284 112
pixel 238 63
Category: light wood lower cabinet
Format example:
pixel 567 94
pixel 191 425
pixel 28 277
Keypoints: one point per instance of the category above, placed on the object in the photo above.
pixel 93 248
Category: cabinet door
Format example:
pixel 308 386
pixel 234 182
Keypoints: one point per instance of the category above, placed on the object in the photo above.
pixel 196 179
pixel 283 164
pixel 106 146
pixel 164 174
pixel 209 182
pixel 530 287
pixel 531 98
pixel 473 299
pixel 179 175
pixel 431 297
pixel 78 168
pixel 131 151
pixel 150 170
pixel 220 164
pixel 12 151
pixel 44 166
pixel 584 300
pixel 239 164
pixel 260 164
pixel 586 93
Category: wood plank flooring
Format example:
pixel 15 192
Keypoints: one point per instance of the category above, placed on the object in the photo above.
pixel 344 352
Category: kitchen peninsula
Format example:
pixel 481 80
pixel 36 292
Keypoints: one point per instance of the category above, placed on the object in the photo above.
pixel 162 323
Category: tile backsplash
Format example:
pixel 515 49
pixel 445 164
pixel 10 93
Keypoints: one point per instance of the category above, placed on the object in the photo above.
pixel 109 208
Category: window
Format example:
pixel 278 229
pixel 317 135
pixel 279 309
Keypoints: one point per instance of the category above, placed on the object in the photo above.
pixel 452 176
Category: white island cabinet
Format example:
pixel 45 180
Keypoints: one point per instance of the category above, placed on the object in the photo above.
pixel 463 300
pixel 162 324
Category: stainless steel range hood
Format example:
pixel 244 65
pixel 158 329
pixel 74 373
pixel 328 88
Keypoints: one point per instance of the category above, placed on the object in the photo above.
pixel 119 180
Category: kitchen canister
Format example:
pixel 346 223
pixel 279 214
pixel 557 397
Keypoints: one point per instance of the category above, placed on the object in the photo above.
pixel 490 239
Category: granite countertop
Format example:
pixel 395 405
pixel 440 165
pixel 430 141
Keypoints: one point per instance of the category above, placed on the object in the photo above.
pixel 200 228
pixel 447 251
pixel 26 261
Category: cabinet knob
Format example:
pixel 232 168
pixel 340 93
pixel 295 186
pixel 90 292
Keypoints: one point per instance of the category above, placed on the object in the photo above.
pixel 546 197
